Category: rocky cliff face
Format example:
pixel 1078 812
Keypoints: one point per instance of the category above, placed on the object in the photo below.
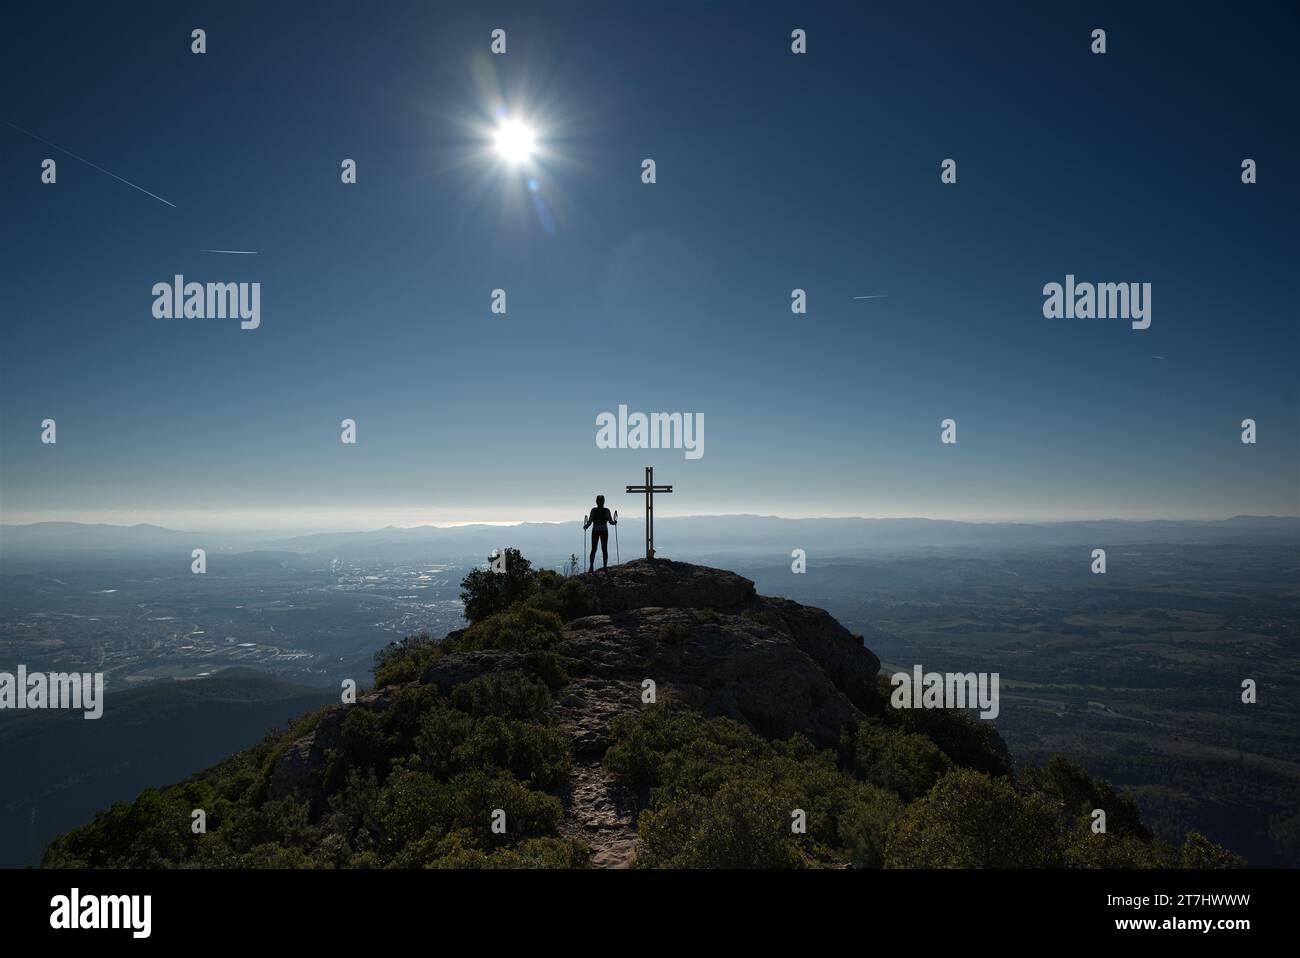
pixel 702 636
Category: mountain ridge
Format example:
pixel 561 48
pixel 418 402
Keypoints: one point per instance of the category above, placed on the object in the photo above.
pixel 656 714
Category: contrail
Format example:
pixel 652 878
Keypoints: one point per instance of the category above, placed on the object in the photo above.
pixel 877 296
pixel 90 164
pixel 239 252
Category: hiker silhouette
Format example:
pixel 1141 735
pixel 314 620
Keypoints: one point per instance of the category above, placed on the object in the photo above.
pixel 599 521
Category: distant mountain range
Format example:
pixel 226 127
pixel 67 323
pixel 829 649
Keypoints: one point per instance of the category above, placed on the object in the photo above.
pixel 685 537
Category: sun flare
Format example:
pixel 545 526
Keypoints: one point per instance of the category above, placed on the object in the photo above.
pixel 514 142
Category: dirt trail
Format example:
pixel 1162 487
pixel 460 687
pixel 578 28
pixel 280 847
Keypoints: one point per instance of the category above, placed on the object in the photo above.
pixel 596 809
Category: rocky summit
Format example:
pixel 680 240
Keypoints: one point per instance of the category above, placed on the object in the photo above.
pixel 703 636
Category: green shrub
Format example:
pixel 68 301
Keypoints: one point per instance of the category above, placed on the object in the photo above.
pixel 417 813
pixel 405 661
pixel 276 856
pixel 567 597
pixel 532 753
pixel 486 593
pixel 741 825
pixel 1199 852
pixel 283 822
pixel 1088 849
pixel 645 744
pixel 1079 793
pixel 354 811
pixel 509 695
pixel 519 630
pixel 363 745
pixel 906 763
pixel 700 770
pixel 442 732
pixel 547 666
pixel 967 741
pixel 457 851
pixel 151 832
pixel 973 820
pixel 862 821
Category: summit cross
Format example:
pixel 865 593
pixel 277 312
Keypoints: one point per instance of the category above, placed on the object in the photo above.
pixel 649 489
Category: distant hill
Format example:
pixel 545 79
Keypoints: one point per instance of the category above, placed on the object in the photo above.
pixel 73 537
pixel 690 537
pixel 64 767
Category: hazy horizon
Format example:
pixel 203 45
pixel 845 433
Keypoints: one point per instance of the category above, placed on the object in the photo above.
pixel 632 516
pixel 196 521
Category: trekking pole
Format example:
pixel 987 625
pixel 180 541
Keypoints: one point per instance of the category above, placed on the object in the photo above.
pixel 617 560
pixel 582 532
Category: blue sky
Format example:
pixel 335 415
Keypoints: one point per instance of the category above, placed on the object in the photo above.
pixel 775 171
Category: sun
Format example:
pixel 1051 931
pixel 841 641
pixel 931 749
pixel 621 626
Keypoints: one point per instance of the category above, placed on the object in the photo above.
pixel 515 142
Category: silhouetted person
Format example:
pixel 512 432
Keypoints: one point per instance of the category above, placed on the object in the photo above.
pixel 599 522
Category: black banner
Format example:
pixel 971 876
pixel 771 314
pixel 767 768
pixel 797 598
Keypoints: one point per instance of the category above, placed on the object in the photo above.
pixel 338 907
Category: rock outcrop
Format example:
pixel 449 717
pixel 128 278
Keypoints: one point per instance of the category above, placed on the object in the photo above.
pixel 641 584
pixel 778 656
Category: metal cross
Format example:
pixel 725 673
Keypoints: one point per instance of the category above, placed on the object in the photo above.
pixel 649 489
